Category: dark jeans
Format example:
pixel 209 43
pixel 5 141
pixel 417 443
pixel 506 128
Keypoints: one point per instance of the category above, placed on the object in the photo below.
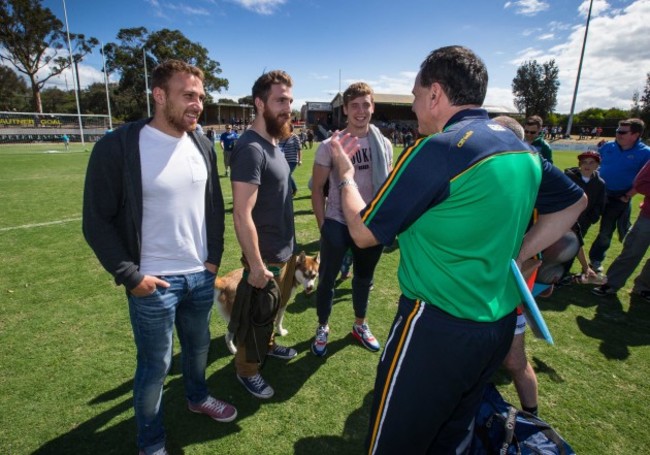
pixel 614 209
pixel 335 240
pixel 635 247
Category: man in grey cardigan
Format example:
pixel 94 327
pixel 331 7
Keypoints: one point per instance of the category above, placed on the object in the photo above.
pixel 153 214
pixel 373 162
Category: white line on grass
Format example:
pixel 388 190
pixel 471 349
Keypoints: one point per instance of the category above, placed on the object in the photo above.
pixel 49 223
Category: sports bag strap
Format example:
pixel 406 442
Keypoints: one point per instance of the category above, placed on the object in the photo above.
pixel 509 428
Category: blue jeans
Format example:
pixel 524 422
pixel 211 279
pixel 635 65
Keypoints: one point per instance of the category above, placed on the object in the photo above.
pixel 292 182
pixel 187 302
pixel 335 240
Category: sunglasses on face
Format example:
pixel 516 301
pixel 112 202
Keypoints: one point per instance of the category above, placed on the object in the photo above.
pixel 530 132
pixel 623 132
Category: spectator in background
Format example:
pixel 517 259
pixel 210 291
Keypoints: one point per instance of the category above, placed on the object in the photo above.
pixel 534 136
pixel 635 246
pixel 303 139
pixel 621 161
pixel 212 136
pixel 586 177
pixel 227 141
pixel 290 146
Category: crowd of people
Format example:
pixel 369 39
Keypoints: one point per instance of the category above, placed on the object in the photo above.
pixel 153 212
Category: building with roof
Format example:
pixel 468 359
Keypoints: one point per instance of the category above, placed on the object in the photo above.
pixel 390 110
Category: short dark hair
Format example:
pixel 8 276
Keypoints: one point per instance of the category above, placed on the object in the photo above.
pixel 535 120
pixel 636 125
pixel 166 70
pixel 356 90
pixel 262 86
pixel 461 73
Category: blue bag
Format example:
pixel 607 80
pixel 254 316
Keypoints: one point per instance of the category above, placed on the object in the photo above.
pixel 502 429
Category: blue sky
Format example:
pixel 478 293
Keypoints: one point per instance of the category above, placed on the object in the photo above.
pixel 383 43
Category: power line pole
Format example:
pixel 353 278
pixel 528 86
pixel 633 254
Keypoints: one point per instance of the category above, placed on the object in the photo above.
pixel 108 98
pixel 146 81
pixel 76 93
pixel 582 55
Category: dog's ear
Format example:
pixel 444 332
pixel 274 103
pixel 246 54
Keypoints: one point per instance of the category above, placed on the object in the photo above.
pixel 317 258
pixel 301 257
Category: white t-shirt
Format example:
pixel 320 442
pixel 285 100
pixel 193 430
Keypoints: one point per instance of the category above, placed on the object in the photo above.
pixel 174 176
pixel 362 162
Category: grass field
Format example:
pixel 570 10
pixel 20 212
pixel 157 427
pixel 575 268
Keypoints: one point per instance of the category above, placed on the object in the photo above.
pixel 67 353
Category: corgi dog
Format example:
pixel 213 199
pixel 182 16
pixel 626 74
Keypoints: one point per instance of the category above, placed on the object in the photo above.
pixel 225 291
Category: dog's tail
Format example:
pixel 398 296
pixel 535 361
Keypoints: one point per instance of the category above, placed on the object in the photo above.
pixel 219 283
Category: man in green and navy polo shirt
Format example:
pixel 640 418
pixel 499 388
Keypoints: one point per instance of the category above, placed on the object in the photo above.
pixel 460 200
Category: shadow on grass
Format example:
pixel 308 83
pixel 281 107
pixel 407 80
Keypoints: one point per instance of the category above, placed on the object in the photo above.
pixel 617 329
pixel 574 294
pixel 350 442
pixel 501 377
pixel 111 432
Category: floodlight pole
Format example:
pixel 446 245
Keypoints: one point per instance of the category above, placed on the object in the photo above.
pixel 74 76
pixel 146 81
pixel 108 99
pixel 582 55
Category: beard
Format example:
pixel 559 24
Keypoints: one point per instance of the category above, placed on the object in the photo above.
pixel 177 119
pixel 277 126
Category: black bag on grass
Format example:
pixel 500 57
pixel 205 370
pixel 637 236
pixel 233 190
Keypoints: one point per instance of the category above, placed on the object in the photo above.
pixel 502 429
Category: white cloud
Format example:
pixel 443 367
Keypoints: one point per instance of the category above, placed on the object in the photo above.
pixel 598 7
pixel 266 7
pixel 616 58
pixel 527 7
pixel 546 37
pixel 318 77
pixel 497 96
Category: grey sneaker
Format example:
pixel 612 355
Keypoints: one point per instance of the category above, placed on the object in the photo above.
pixel 319 346
pixel 363 334
pixel 161 451
pixel 282 352
pixel 604 290
pixel 257 386
pixel 596 266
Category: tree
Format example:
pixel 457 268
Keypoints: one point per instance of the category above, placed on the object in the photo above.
pixel 126 58
pixel 226 101
pixel 57 100
pixel 535 88
pixel 93 100
pixel 644 104
pixel 246 100
pixel 13 91
pixel 31 38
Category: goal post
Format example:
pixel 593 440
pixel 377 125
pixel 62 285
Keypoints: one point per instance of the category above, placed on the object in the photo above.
pixel 36 128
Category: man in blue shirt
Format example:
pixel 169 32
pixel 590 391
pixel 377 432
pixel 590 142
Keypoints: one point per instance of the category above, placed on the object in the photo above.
pixel 227 141
pixel 622 159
